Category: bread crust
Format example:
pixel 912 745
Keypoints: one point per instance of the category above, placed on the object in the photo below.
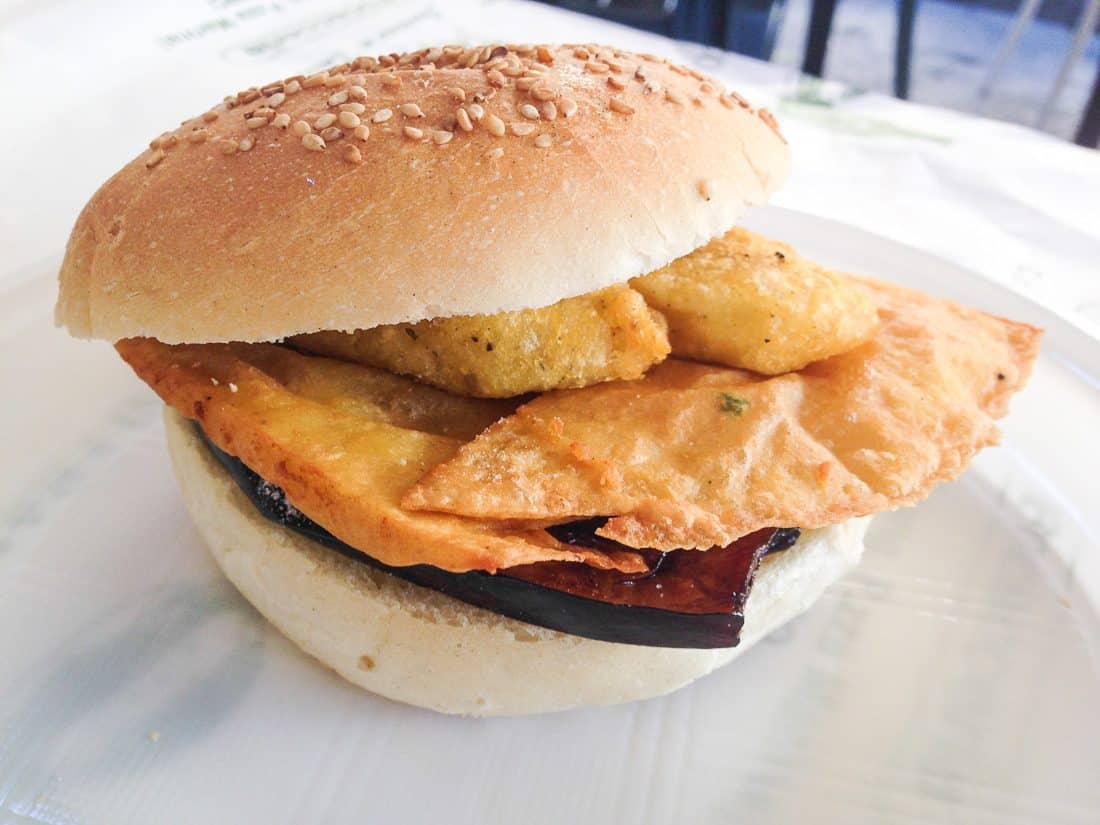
pixel 200 239
pixel 417 646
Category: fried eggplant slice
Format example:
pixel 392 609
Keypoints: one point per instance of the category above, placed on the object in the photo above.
pixel 749 302
pixel 602 336
pixel 344 442
pixel 694 455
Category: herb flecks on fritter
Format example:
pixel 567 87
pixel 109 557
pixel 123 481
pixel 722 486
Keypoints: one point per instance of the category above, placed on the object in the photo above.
pixel 746 301
pixel 344 442
pixel 602 336
pixel 697 455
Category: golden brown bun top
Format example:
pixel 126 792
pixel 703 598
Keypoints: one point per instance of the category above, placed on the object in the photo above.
pixel 447 181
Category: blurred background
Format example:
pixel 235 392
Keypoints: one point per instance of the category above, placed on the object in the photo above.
pixel 1032 62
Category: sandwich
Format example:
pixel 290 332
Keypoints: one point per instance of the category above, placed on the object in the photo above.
pixel 475 388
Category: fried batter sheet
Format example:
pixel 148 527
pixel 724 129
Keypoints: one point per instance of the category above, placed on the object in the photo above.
pixel 746 301
pixel 695 455
pixel 605 335
pixel 345 442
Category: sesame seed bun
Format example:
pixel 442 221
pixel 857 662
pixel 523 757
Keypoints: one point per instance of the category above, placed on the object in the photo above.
pixel 447 181
pixel 423 648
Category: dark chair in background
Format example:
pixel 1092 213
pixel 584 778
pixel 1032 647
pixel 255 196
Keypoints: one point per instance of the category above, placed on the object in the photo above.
pixel 743 26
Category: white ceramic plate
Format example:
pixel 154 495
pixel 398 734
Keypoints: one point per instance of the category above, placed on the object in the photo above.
pixel 953 677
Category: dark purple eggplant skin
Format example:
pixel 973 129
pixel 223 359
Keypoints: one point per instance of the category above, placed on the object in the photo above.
pixel 530 600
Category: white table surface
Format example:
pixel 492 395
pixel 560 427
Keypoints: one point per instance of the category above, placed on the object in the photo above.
pixel 94 83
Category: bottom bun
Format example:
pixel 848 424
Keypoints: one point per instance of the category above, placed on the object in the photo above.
pixel 418 646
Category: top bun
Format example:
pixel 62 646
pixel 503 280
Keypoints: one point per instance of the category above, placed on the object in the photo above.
pixel 447 181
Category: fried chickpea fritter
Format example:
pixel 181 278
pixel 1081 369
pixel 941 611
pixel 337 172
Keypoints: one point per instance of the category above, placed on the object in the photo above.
pixel 602 336
pixel 750 302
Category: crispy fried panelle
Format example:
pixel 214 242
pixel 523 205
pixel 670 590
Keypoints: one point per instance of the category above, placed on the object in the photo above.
pixel 694 455
pixel 604 335
pixel 345 441
pixel 747 301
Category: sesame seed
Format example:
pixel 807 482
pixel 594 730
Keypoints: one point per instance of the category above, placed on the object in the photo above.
pixel 550 110
pixel 457 94
pixel 209 117
pixel 362 131
pixel 198 136
pixel 698 101
pixel 441 137
pixel 276 99
pixel 227 147
pixel 264 111
pixel 524 84
pixel 155 158
pixel 331 133
pixel 674 97
pixel 493 154
pixel 568 106
pixel 596 68
pixel 744 104
pixel 613 65
pixel 543 92
pixel 495 125
pixel 351 153
pixel 544 54
pixel 293 87
pixel 704 190
pixel 529 111
pixel 495 78
pixel 246 143
pixel 615 82
pixel 391 81
pixel 315 80
pixel 462 118
pixel 581 54
pixel 382 115
pixel 728 101
pixel 281 120
pixel 233 387
pixel 543 141
pixel 476 110
pixel 411 110
pixel 413 133
pixel 338 98
pixel 334 81
pixel 355 108
pixel 301 128
pixel 651 87
pixel 522 129
pixel 248 96
pixel 255 122
pixel 313 142
pixel 325 120
pixel 357 93
pixel 770 120
pixel 349 119
pixel 621 106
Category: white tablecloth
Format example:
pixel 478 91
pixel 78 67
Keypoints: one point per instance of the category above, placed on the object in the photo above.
pixel 86 86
